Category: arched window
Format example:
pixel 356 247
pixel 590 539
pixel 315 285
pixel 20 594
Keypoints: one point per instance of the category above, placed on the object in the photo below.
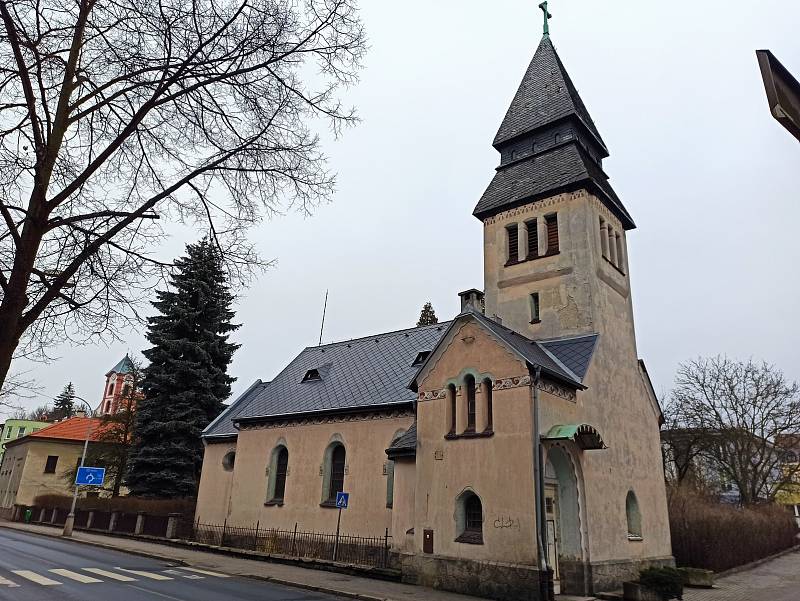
pixel 633 516
pixel 335 461
pixel 469 384
pixel 469 518
pixel 228 461
pixel 487 392
pixel 111 388
pixel 280 474
pixel 451 408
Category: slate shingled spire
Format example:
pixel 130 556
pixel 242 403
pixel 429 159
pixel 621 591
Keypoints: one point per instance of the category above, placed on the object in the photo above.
pixel 548 143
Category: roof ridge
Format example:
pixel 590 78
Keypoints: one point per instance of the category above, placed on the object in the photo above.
pixel 370 336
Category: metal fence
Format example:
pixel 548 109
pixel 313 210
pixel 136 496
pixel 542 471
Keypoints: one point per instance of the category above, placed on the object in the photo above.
pixel 358 550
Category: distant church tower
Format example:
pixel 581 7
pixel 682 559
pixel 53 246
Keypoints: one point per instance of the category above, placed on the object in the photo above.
pixel 118 383
pixel 555 258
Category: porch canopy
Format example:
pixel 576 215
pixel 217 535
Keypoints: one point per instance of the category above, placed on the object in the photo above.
pixel 584 435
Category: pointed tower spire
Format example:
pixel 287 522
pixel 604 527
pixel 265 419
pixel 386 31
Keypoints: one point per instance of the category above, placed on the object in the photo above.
pixel 548 142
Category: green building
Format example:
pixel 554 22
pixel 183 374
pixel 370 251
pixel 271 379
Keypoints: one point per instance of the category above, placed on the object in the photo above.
pixel 16 428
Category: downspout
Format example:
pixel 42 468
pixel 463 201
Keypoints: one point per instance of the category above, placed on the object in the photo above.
pixel 538 489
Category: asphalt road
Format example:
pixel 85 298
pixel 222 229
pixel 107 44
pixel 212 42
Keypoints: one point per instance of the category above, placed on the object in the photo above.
pixel 39 568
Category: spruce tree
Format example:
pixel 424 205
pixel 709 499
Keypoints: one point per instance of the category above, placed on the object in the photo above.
pixel 64 403
pixel 427 316
pixel 186 382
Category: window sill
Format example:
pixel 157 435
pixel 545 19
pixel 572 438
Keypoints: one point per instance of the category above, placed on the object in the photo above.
pixel 535 321
pixel 607 260
pixel 469 434
pixel 271 502
pixel 328 503
pixel 634 538
pixel 533 258
pixel 470 538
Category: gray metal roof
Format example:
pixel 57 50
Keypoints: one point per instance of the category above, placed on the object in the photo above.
pixel 574 352
pixel 222 426
pixel 355 374
pixel 124 366
pixel 565 167
pixel 545 95
pixel 405 445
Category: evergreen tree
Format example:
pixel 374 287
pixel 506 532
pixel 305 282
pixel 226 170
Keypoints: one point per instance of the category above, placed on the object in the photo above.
pixel 427 316
pixel 64 403
pixel 186 382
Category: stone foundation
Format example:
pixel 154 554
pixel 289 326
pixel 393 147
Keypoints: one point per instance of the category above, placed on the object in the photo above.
pixel 493 580
pixel 609 575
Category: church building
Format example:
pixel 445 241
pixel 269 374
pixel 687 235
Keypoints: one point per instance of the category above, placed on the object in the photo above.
pixel 518 440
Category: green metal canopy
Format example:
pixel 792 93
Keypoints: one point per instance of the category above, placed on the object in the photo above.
pixel 585 436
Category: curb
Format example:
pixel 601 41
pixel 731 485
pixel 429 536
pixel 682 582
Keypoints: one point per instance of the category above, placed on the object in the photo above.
pixel 150 555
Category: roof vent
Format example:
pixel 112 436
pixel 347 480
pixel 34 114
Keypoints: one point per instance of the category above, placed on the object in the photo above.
pixel 420 358
pixel 312 375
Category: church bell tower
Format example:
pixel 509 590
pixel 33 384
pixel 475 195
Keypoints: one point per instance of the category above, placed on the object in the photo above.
pixel 555 258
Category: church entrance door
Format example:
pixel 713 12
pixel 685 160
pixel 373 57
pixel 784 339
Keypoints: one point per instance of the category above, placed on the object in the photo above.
pixel 551 515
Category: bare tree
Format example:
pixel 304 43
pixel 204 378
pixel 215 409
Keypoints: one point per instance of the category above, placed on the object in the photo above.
pixel 743 410
pixel 13 391
pixel 114 115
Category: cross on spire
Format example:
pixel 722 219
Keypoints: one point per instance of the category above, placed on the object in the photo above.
pixel 547 17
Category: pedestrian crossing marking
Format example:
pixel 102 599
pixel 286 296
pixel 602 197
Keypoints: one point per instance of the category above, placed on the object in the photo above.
pixel 150 575
pixel 75 576
pixel 34 577
pixel 183 575
pixel 112 575
pixel 8 583
pixel 204 572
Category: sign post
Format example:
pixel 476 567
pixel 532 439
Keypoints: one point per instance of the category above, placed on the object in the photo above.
pixel 342 500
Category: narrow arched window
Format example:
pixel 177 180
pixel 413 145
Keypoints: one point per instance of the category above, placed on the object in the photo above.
pixel 281 468
pixel 111 388
pixel 469 516
pixel 228 461
pixel 469 384
pixel 487 391
pixel 633 516
pixel 337 472
pixel 451 408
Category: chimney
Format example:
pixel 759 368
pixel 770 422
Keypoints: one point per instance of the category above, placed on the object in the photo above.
pixel 80 413
pixel 472 299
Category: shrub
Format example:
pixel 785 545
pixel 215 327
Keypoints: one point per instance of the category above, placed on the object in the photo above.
pixel 122 504
pixel 667 582
pixel 708 534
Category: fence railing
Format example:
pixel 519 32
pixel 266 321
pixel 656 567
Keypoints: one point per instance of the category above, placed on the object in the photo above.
pixel 358 550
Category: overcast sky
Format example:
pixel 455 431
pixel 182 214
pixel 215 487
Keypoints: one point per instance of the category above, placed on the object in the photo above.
pixel 674 88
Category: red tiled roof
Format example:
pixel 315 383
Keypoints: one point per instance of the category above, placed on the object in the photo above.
pixel 74 428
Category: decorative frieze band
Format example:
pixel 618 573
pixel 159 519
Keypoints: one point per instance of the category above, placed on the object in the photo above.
pixel 328 419
pixel 535 207
pixel 544 385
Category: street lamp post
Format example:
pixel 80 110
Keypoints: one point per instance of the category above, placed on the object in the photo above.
pixel 69 524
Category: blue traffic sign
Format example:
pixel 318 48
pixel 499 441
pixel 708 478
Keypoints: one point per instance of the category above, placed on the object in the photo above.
pixel 90 476
pixel 342 499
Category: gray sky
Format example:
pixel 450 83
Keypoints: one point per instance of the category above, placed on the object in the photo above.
pixel 675 90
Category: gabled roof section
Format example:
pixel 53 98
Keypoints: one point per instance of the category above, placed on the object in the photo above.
pixel 73 429
pixel 362 373
pixel 545 95
pixel 574 352
pixel 562 169
pixel 222 427
pixel 532 352
pixel 124 366
pixel 405 445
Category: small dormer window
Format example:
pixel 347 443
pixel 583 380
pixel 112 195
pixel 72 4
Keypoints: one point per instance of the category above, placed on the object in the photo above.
pixel 312 375
pixel 420 358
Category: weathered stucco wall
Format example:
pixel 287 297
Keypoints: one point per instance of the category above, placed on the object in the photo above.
pixel 214 494
pixel 497 468
pixel 31 481
pixel 365 438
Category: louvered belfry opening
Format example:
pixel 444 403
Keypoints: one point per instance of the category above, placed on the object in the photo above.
pixel 513 243
pixel 551 222
pixel 533 239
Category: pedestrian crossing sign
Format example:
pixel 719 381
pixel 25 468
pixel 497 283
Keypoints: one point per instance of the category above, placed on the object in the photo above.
pixel 342 499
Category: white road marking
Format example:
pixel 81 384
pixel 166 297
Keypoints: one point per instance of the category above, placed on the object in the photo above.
pixel 75 576
pixel 182 575
pixel 206 572
pixel 8 583
pixel 112 575
pixel 150 575
pixel 34 577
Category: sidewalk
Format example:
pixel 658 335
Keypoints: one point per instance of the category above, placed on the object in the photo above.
pixel 343 585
